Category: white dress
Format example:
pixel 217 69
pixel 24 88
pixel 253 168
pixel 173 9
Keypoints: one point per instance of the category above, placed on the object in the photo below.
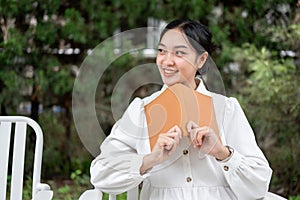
pixel 186 175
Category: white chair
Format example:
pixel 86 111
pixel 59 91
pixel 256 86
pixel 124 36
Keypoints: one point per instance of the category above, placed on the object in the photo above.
pixel 95 194
pixel 40 191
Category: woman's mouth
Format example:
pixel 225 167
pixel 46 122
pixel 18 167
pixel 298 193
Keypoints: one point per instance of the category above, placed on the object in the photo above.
pixel 169 71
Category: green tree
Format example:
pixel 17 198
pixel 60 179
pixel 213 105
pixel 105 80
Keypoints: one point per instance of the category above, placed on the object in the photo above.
pixel 270 94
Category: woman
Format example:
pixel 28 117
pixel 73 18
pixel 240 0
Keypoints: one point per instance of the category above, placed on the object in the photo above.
pixel 233 168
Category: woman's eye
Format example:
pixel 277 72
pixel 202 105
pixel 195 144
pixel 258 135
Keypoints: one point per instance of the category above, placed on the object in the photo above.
pixel 161 51
pixel 180 53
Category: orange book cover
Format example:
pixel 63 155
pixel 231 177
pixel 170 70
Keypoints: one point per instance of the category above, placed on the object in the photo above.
pixel 177 105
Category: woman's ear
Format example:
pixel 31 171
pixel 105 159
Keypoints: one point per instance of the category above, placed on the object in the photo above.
pixel 201 60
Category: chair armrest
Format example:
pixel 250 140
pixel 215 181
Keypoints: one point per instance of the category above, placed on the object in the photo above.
pixel 42 187
pixel 43 192
pixel 44 195
pixel 93 194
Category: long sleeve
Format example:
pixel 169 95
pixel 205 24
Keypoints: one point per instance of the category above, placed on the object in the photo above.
pixel 247 171
pixel 117 168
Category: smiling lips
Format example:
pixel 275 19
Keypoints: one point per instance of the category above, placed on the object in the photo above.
pixel 169 71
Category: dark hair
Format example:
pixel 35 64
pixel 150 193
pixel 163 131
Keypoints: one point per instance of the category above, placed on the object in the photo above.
pixel 197 34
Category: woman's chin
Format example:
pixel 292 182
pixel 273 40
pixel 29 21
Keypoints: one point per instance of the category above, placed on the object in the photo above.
pixel 170 83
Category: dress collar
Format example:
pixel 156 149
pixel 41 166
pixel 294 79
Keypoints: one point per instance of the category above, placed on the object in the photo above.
pixel 202 89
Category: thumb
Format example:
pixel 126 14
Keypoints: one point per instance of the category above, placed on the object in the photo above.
pixel 191 125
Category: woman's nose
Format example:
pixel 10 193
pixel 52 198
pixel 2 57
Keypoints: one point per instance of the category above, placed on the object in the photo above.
pixel 168 59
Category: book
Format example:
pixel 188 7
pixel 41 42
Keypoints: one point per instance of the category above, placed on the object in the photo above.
pixel 177 105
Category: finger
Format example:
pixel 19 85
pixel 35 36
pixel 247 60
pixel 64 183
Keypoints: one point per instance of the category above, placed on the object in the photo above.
pixel 205 130
pixel 197 141
pixel 191 125
pixel 193 136
pixel 194 132
pixel 174 135
pixel 172 149
pixel 198 135
pixel 166 142
pixel 202 133
pixel 177 130
pixel 170 145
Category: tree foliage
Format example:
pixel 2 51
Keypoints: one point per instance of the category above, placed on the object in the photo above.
pixel 271 97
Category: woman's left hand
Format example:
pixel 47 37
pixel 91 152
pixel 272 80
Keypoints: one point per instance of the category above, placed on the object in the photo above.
pixel 205 139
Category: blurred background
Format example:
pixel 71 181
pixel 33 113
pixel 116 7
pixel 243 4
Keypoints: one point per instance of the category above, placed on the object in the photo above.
pixel 43 44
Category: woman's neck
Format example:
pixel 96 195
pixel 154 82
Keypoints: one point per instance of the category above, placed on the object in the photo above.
pixel 197 81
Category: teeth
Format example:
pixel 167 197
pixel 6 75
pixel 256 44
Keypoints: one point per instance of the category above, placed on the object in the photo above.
pixel 169 71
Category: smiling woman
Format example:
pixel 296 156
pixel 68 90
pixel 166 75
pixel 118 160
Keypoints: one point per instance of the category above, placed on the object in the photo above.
pixel 188 161
pixel 178 62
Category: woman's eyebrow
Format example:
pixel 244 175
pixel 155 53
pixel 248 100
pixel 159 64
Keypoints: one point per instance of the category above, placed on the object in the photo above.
pixel 180 46
pixel 175 47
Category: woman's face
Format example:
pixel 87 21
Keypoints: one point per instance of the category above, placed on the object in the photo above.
pixel 176 59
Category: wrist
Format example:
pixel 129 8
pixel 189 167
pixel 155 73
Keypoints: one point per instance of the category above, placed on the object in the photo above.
pixel 148 163
pixel 224 154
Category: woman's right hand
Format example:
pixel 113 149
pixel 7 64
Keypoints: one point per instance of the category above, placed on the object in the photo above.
pixel 164 147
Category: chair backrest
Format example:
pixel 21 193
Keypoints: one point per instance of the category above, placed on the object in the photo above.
pixel 17 171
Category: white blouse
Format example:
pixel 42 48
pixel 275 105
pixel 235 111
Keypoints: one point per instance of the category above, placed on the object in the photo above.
pixel 186 175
